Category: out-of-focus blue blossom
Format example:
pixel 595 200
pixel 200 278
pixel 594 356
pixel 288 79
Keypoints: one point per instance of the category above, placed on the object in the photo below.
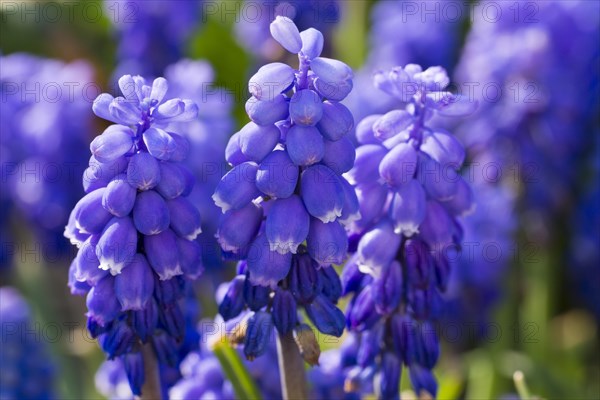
pixel 584 254
pixel 405 32
pixel 135 228
pixel 280 194
pixel 535 77
pixel 199 374
pixel 401 264
pixel 151 34
pixel 207 136
pixel 487 251
pixel 27 371
pixel 530 75
pixel 254 19
pixel 44 118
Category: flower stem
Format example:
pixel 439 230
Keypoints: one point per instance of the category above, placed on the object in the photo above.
pixel 521 385
pixel 291 367
pixel 151 389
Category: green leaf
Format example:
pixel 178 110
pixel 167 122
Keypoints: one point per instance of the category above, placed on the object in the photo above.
pixel 236 372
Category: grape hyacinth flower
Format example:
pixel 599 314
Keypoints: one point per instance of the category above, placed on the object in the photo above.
pixel 41 161
pixel 402 32
pixel 410 196
pixel 135 228
pixel 27 371
pixel 151 34
pixel 285 202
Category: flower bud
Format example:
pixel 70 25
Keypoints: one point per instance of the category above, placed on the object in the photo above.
pixel 333 92
pixel 284 312
pixel 114 142
pixel 159 143
pixel 117 340
pixel 237 188
pixel 366 165
pixel 336 122
pixel 304 145
pixel 419 263
pixel 388 288
pixel 277 175
pixel 364 130
pixel 360 314
pixel 326 316
pixel 133 363
pixel 190 258
pixel 119 196
pixel 271 80
pixel 150 213
pixel 378 247
pixel 256 141
pixel 267 112
pixel 258 334
pixel 102 304
pixel 332 286
pixel 312 43
pixel 255 296
pixel 143 171
pixel 330 70
pixel 285 32
pixel 391 369
pixel 90 216
pixel 399 165
pixel 233 302
pixel 306 107
pixel 423 381
pixel 173 182
pixel 391 124
pixel 144 321
pixel 304 280
pixel 339 155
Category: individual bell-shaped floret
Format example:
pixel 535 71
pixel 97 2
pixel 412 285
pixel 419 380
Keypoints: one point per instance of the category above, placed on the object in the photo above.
pixel 285 315
pixel 114 142
pixel 326 316
pixel 271 80
pixel 339 155
pixel 267 112
pixel 258 335
pixel 322 193
pixel 117 245
pixel 378 247
pixel 233 303
pixel 366 165
pixel 304 280
pixel 173 180
pixel 102 304
pixel 306 107
pixel 150 213
pixel 143 171
pixel 256 141
pixel 285 32
pixel 327 242
pixel 161 255
pixel 266 267
pixel 399 165
pixel 304 145
pixel 336 121
pixel 119 196
pixel 159 143
pixel 287 224
pixel 237 228
pixel 391 368
pixel 408 207
pixel 90 216
pixel 185 218
pixel 277 175
pixel 388 288
pixel 237 188
pixel 135 284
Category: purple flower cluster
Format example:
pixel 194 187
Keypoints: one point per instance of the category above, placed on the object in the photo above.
pixel 410 196
pixel 43 127
pixel 404 32
pixel 135 228
pixel 151 34
pixel 285 189
pixel 531 115
pixel 27 371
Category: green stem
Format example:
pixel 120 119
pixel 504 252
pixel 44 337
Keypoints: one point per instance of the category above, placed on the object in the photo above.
pixel 291 368
pixel 151 389
pixel 236 372
pixel 521 385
